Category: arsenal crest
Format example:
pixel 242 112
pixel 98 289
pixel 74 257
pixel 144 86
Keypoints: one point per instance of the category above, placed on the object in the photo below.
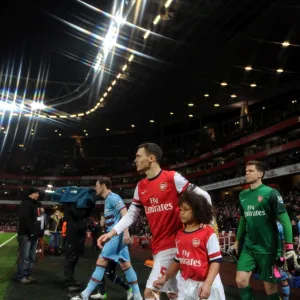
pixel 163 186
pixel 260 198
pixel 195 242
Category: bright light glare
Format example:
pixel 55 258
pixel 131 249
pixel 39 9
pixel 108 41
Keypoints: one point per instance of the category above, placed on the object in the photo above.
pixel 146 34
pixel 286 44
pixel 110 39
pixel 131 57
pixel 119 19
pixel 156 20
pixel 98 65
pixel 7 106
pixel 37 105
pixel 168 3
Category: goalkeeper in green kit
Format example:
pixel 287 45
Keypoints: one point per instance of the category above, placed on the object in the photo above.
pixel 260 208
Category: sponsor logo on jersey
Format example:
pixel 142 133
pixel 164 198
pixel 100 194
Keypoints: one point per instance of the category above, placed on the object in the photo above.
pixel 279 198
pixel 163 186
pixel 195 242
pixel 256 213
pixel 252 212
pixel 190 262
pixel 260 198
pixel 143 192
pixel 158 208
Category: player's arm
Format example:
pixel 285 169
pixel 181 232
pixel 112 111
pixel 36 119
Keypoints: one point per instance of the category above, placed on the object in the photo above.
pixel 123 213
pixel 215 258
pixel 182 184
pixel 205 290
pixel 287 227
pixel 281 237
pixel 129 218
pixel 171 272
pixel 280 231
pixel 277 205
pixel 279 209
pixel 175 266
pixel 241 229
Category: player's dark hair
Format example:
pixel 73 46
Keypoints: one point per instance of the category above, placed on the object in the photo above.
pixel 260 167
pixel 202 210
pixel 105 180
pixel 152 149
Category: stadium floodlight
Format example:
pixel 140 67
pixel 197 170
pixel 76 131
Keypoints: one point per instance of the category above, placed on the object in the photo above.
pixel 7 106
pixel 109 42
pixel 37 105
pixel 98 64
pixel 110 39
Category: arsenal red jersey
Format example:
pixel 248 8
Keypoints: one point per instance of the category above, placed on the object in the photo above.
pixel 195 251
pixel 159 196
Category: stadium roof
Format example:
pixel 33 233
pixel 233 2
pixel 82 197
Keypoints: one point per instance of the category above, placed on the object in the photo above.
pixel 165 61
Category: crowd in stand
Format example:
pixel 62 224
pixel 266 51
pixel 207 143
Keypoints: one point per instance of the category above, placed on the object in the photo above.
pixel 213 137
pixel 280 160
pixel 8 221
pixel 226 211
pixel 209 142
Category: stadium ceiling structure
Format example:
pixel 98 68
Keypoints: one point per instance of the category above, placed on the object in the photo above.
pixel 128 64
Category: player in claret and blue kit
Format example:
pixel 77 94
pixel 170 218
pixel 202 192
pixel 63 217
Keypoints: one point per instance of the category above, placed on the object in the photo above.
pixel 116 249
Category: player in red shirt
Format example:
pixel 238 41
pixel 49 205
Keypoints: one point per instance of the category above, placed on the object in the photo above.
pixel 159 194
pixel 198 254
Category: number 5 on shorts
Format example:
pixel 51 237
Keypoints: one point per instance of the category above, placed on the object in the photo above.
pixel 163 271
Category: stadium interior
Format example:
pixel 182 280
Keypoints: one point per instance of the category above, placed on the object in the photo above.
pixel 82 83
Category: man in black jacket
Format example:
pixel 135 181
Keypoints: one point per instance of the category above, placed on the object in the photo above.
pixel 29 228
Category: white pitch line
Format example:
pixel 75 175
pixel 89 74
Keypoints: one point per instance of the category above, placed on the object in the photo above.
pixel 3 244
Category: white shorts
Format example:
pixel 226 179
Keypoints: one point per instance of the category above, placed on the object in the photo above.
pixel 188 289
pixel 162 261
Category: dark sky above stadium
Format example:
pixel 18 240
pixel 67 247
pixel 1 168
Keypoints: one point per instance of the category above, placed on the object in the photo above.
pixel 192 64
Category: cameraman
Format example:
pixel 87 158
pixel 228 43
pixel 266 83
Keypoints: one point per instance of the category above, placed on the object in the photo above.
pixel 77 221
pixel 29 229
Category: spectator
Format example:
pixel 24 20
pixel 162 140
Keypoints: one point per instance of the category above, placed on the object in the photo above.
pixel 43 218
pixel 55 228
pixel 29 229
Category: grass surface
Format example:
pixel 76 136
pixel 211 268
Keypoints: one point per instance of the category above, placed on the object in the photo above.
pixel 5 236
pixel 8 257
pixel 49 273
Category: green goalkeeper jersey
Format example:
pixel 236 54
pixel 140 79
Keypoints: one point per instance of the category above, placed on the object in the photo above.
pixel 260 207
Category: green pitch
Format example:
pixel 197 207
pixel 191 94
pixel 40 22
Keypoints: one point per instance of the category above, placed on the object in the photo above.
pixel 8 257
pixel 5 236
